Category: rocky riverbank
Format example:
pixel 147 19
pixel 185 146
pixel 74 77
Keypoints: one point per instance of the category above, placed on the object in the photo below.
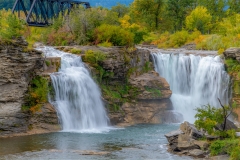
pixel 190 141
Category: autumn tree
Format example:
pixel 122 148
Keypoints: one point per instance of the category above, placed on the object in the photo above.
pixel 199 19
pixel 147 12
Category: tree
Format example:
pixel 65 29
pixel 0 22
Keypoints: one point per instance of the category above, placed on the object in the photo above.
pixel 215 8
pixel 199 19
pixel 177 10
pixel 209 117
pixel 234 6
pixel 120 9
pixel 147 12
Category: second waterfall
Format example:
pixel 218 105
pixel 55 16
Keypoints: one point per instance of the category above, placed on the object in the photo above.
pixel 77 97
pixel 194 80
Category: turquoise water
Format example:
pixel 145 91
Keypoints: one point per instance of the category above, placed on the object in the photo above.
pixel 140 142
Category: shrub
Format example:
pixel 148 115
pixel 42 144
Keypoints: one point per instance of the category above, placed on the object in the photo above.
pixel 179 38
pixel 76 51
pixel 113 34
pixel 37 94
pixel 10 26
pixel 227 146
pixel 94 57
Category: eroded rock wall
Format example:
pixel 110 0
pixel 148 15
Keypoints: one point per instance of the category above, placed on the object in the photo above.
pixel 18 66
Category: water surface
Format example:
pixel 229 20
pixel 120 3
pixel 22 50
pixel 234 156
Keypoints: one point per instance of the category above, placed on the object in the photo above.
pixel 138 142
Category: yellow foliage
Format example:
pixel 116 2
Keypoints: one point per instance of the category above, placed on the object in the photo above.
pixel 221 50
pixel 199 19
pixel 124 21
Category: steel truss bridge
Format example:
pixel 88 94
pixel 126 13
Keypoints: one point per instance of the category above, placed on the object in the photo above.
pixel 41 12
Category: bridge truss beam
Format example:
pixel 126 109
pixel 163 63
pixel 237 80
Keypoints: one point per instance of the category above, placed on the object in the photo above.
pixel 41 12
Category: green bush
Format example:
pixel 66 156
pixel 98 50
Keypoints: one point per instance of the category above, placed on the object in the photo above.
pixel 179 38
pixel 94 57
pixel 227 146
pixel 37 94
pixel 76 51
pixel 208 117
pixel 114 34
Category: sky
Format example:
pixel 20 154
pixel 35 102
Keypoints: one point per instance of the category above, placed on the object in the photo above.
pixel 108 3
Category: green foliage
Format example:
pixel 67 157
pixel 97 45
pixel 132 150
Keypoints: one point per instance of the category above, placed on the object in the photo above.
pixel 208 117
pixel 94 57
pixel 113 34
pixel 199 19
pixel 155 92
pixel 146 67
pixel 147 13
pixel 47 63
pixel 232 65
pixel 179 38
pixel 118 94
pixel 227 146
pixel 10 26
pixel 76 51
pixel 37 94
pixel 177 11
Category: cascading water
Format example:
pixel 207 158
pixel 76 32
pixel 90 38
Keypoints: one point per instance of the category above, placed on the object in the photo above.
pixel 77 97
pixel 194 80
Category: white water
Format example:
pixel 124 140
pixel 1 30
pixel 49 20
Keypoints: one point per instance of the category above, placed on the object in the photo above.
pixel 194 80
pixel 77 97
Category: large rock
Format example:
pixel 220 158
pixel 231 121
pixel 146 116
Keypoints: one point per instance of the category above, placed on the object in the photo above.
pixel 191 130
pixel 197 153
pixel 233 53
pixel 151 86
pixel 185 142
pixel 229 125
pixel 172 136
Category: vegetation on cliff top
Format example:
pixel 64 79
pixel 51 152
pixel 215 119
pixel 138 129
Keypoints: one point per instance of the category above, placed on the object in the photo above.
pixel 211 25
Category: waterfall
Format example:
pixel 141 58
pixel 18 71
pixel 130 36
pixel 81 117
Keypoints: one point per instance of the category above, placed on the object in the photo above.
pixel 194 80
pixel 77 97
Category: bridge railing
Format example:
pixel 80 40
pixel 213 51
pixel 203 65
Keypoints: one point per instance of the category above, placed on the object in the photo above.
pixel 41 12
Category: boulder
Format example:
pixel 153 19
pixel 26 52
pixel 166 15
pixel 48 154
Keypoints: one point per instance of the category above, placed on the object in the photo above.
pixel 229 125
pixel 185 142
pixel 191 130
pixel 197 153
pixel 202 144
pixel 172 136
pixel 233 53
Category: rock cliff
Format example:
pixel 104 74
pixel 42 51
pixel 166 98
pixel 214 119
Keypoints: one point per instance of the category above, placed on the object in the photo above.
pixel 17 67
pixel 232 61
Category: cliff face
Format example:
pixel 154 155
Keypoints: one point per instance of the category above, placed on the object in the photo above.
pixel 232 56
pixel 17 67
